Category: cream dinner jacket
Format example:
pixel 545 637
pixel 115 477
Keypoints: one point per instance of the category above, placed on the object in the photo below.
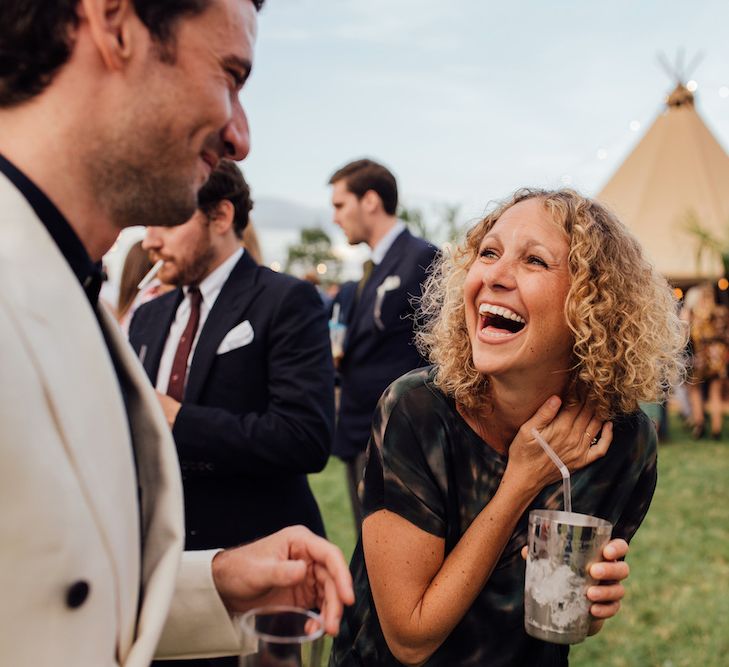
pixel 69 510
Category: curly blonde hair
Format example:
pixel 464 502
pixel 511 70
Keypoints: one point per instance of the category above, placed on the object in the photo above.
pixel 628 338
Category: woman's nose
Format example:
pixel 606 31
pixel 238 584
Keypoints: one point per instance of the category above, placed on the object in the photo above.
pixel 500 274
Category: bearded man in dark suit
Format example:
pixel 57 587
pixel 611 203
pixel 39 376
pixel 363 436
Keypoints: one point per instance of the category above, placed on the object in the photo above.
pixel 251 404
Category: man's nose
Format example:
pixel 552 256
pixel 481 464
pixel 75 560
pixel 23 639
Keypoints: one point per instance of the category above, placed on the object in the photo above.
pixel 236 135
pixel 151 240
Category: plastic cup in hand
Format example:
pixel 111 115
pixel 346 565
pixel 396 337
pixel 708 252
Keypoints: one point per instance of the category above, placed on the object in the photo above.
pixel 283 637
pixel 337 332
pixel 562 547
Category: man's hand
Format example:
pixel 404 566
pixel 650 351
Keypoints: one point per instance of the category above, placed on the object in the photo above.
pixel 170 407
pixel 609 573
pixel 292 566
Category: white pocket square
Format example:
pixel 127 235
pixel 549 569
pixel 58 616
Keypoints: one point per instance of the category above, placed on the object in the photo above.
pixel 237 337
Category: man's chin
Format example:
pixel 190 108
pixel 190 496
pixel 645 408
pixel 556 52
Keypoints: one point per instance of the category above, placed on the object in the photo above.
pixel 170 277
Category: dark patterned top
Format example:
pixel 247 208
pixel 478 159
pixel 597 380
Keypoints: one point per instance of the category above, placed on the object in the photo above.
pixel 427 465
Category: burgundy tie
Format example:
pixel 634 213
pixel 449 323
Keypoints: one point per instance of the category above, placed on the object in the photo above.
pixel 176 386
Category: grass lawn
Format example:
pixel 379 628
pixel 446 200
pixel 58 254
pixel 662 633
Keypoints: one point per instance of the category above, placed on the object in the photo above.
pixel 676 611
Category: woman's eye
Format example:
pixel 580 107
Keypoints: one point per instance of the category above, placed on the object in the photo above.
pixel 533 259
pixel 488 253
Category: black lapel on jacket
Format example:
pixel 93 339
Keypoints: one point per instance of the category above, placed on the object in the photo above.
pixel 153 338
pixel 236 295
pixel 364 308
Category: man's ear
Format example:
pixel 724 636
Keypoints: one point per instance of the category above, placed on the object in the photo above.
pixel 222 218
pixel 370 201
pixel 110 25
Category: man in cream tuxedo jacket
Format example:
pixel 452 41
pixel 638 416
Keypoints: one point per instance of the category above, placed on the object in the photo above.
pixel 91 126
pixel 256 413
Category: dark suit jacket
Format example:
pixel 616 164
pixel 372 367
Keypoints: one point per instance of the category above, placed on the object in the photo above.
pixel 254 420
pixel 378 351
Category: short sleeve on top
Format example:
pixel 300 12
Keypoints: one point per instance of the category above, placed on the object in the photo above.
pixel 405 470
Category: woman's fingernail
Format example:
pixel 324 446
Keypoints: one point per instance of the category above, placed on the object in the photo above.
pixel 598 571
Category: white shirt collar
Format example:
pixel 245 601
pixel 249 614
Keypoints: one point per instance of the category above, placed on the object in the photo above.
pixel 212 284
pixel 380 250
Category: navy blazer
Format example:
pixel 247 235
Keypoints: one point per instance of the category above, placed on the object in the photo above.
pixel 378 346
pixel 254 420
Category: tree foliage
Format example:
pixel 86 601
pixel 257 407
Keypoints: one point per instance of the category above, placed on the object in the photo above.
pixel 440 227
pixel 706 242
pixel 314 248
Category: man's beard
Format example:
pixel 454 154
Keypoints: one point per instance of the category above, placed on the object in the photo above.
pixel 140 175
pixel 151 195
pixel 195 271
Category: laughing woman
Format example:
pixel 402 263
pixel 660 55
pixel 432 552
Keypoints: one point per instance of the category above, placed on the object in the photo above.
pixel 547 317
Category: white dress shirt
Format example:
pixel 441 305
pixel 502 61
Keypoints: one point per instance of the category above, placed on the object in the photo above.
pixel 209 289
pixel 380 250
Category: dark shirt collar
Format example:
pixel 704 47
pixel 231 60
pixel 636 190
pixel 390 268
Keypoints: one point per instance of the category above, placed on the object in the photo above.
pixel 89 273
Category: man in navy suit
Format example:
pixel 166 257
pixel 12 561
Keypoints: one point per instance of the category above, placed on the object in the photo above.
pixel 252 410
pixel 378 347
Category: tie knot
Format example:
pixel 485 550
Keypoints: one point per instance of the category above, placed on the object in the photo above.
pixel 367 268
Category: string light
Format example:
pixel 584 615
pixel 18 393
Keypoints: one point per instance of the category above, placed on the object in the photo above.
pixel 723 284
pixel 321 268
pixel 276 266
pixel 692 85
pixel 678 293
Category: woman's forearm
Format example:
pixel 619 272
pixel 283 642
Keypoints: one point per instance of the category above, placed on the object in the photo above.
pixel 414 634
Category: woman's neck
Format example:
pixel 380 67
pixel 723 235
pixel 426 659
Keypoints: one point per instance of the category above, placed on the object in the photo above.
pixel 509 407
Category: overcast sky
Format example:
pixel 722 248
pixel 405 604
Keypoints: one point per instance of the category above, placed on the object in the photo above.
pixel 467 100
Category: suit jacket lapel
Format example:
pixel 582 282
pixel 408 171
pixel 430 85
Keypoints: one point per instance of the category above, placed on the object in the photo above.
pixel 156 334
pixel 237 293
pixel 363 311
pixel 161 492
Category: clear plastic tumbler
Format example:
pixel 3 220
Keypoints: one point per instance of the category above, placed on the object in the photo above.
pixel 562 547
pixel 283 637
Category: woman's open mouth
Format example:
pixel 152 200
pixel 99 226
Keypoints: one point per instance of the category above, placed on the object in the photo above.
pixel 499 321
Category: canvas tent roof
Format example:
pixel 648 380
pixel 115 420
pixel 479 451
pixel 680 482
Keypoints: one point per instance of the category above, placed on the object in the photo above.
pixel 677 170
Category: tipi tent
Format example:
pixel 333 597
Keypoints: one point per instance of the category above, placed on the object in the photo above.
pixel 678 171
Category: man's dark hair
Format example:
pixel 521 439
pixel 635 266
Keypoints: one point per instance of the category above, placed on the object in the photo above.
pixel 36 39
pixel 363 175
pixel 227 183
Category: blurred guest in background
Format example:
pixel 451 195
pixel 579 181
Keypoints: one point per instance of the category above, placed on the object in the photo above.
pixel 137 265
pixel 378 346
pixel 709 328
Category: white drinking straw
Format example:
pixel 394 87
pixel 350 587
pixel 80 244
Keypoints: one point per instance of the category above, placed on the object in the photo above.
pixel 150 274
pixel 566 489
